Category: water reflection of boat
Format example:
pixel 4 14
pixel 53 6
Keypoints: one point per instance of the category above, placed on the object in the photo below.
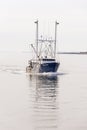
pixel 45 52
pixel 45 105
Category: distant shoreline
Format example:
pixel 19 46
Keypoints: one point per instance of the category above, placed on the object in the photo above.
pixel 78 53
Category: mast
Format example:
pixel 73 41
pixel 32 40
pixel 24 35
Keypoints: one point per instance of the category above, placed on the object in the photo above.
pixel 36 38
pixel 56 23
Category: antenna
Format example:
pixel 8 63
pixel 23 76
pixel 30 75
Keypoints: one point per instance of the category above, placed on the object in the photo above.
pixel 56 23
pixel 36 38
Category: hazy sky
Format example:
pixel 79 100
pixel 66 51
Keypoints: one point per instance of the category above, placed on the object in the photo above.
pixel 17 28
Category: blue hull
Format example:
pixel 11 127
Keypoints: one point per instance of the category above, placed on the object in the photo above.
pixel 41 66
pixel 48 67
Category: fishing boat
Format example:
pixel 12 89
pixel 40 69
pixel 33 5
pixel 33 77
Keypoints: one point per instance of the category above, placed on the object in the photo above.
pixel 45 54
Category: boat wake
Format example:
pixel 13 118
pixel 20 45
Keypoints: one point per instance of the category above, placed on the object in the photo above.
pixel 21 70
pixel 47 74
pixel 12 69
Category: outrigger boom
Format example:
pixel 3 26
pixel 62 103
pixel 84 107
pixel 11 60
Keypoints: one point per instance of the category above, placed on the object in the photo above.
pixel 46 40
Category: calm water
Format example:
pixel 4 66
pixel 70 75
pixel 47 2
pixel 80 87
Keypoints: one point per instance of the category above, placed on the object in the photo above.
pixel 43 102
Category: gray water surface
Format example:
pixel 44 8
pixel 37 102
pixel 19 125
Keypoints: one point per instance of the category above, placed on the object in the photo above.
pixel 43 102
